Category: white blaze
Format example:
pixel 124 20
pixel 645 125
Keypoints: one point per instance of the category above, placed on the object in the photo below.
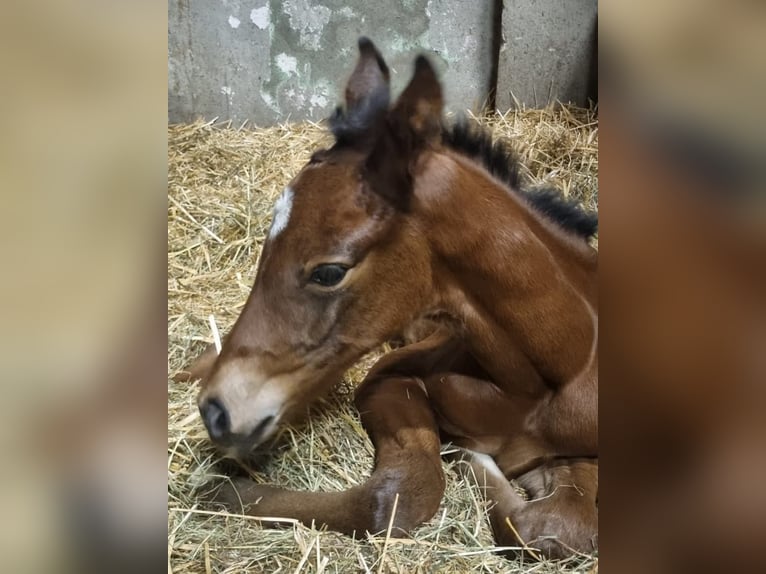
pixel 282 208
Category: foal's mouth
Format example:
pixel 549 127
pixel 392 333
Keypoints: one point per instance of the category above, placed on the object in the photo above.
pixel 241 448
pixel 262 431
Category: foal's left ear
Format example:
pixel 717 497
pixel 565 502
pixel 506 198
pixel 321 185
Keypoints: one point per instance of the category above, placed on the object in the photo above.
pixel 367 97
pixel 368 85
pixel 418 111
pixel 412 126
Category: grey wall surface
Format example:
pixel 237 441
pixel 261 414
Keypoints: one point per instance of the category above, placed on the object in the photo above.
pixel 270 61
pixel 546 52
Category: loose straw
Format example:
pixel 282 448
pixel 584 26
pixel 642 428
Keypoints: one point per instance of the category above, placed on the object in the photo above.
pixel 216 333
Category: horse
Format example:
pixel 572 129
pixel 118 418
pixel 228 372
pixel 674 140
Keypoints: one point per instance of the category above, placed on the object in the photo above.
pixel 405 219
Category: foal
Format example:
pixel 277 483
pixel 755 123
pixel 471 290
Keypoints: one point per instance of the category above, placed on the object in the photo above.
pixel 398 221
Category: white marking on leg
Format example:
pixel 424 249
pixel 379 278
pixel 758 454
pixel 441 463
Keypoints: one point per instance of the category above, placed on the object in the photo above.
pixel 282 208
pixel 488 463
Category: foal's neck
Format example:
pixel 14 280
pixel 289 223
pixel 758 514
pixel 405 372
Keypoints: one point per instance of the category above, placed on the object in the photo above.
pixel 523 289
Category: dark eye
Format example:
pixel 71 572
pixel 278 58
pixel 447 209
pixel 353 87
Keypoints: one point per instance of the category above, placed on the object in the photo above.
pixel 328 275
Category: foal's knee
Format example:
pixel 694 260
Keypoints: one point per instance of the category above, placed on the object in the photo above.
pixel 406 496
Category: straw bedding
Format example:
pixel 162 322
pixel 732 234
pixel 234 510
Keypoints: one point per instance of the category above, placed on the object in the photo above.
pixel 222 182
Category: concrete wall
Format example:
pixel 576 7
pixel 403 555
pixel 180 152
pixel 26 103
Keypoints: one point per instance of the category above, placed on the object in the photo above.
pixel 546 52
pixel 270 61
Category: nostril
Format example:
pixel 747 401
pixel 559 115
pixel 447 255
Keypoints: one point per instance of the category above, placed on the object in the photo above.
pixel 216 419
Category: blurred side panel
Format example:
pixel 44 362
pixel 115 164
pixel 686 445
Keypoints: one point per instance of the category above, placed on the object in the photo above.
pixel 83 180
pixel 682 247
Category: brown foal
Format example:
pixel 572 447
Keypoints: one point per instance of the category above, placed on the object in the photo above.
pixel 402 220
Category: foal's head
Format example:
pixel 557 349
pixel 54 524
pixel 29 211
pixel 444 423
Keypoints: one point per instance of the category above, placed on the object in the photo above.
pixel 343 268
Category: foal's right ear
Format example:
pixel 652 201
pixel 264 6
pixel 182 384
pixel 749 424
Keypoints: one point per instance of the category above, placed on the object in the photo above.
pixel 367 91
pixel 412 126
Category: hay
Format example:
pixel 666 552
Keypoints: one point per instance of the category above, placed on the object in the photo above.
pixel 222 183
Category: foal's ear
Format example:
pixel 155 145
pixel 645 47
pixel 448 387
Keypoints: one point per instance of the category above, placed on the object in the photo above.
pixel 413 125
pixel 418 112
pixel 367 90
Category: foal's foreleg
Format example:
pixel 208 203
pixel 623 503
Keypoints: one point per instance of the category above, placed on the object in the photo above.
pixel 561 517
pixel 475 414
pixel 408 471
pixel 519 430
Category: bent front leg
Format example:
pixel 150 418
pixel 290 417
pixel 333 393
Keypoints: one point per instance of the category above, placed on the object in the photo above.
pixel 408 473
pixel 396 414
pixel 475 414
pixel 559 519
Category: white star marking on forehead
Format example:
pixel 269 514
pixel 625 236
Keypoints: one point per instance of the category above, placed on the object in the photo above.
pixel 282 208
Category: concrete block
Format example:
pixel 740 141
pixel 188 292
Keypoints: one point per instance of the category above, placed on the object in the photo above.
pixel 546 52
pixel 273 61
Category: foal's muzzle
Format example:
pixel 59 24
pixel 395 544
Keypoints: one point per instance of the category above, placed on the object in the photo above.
pixel 218 424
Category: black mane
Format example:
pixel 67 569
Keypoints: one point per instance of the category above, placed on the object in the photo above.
pixel 472 141
pixel 501 161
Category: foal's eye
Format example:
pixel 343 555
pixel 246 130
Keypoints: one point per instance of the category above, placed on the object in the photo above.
pixel 328 275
